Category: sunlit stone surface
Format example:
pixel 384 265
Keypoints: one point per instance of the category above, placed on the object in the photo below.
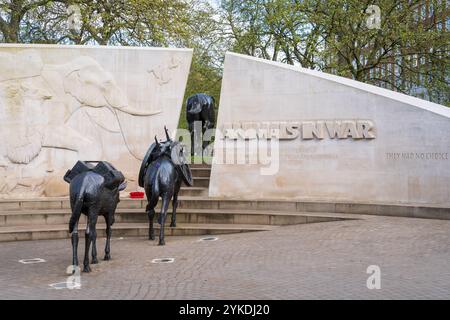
pixel 341 140
pixel 59 104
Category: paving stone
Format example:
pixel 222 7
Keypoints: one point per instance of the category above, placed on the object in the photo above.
pixel 308 261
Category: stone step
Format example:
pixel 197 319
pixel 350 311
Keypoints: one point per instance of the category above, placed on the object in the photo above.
pixel 201 182
pixel 47 232
pixel 200 166
pixel 193 192
pixel 203 202
pixel 214 216
pixel 201 172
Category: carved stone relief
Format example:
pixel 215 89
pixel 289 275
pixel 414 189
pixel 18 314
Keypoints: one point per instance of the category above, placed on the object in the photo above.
pixel 54 113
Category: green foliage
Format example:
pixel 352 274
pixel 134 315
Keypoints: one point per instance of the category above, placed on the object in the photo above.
pixel 334 36
pixel 408 52
pixel 203 78
pixel 175 23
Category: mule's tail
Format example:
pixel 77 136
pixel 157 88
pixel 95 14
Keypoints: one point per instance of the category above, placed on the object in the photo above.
pixel 76 210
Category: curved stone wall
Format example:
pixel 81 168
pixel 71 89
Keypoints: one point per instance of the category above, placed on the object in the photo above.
pixel 340 140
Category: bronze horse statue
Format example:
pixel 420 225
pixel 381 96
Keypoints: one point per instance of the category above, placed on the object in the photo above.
pixel 162 172
pixel 200 107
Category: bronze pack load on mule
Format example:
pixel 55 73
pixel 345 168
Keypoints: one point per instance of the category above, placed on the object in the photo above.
pixel 94 191
pixel 162 171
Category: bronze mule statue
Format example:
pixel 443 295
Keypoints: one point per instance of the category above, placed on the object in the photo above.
pixel 163 170
pixel 94 191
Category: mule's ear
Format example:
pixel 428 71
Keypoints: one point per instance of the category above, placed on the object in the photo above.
pixel 167 134
pixel 156 140
pixel 123 186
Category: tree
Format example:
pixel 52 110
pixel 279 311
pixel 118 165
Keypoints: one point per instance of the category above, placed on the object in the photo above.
pixel 278 30
pixel 176 23
pixel 407 52
pixel 207 39
pixel 12 13
pixel 104 22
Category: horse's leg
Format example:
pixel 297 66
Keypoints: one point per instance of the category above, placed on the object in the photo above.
pixel 207 121
pixel 152 202
pixel 191 118
pixel 109 221
pixel 194 129
pixel 191 130
pixel 205 126
pixel 75 239
pixel 173 224
pixel 162 218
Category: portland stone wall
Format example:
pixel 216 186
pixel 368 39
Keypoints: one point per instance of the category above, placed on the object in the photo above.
pixel 59 104
pixel 338 139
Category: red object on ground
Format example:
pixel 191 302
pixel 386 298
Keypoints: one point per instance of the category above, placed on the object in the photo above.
pixel 137 195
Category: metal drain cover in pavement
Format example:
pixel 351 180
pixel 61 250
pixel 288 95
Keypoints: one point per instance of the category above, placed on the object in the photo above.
pixel 163 260
pixel 209 239
pixel 32 261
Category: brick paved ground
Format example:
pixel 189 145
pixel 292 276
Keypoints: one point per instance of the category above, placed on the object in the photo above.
pixel 316 261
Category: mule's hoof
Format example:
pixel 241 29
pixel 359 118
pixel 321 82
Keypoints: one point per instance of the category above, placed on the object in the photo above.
pixel 107 257
pixel 173 225
pixel 87 269
pixel 94 261
pixel 151 237
pixel 73 269
pixel 162 243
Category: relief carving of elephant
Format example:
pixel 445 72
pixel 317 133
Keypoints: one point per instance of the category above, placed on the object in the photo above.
pixel 37 102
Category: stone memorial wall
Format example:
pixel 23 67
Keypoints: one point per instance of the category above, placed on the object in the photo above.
pixel 59 104
pixel 331 139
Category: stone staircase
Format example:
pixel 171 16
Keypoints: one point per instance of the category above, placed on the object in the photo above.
pixel 197 214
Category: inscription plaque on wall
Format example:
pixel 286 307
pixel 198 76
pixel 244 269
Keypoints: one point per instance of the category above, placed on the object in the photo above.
pixel 306 130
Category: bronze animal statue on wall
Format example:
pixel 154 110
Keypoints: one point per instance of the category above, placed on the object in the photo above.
pixel 200 107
